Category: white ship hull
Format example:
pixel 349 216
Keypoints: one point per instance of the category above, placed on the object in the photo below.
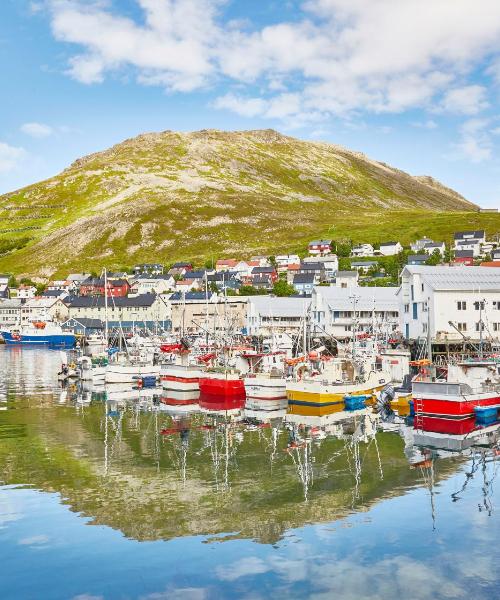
pixel 117 373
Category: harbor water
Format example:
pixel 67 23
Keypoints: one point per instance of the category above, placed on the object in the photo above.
pixel 108 494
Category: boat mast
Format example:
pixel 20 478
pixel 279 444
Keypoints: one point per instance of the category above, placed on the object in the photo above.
pixel 106 332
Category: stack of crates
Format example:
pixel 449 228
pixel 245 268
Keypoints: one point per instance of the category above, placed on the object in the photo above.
pixel 355 402
pixel 486 415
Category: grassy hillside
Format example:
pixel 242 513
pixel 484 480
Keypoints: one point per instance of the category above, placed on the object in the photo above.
pixel 167 196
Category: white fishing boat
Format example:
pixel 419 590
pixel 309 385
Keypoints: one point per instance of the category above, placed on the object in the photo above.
pixel 92 369
pixel 130 371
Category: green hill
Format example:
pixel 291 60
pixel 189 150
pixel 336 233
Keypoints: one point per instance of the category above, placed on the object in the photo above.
pixel 168 196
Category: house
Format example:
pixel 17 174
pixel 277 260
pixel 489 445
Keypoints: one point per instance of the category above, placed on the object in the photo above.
pixel 432 297
pixel 225 280
pixel 469 236
pixel 364 266
pixel 362 250
pixel 10 311
pixel 417 259
pixel 186 285
pixel 279 319
pixel 470 240
pixel 4 279
pixel 148 269
pixel 420 244
pixel 346 279
pixel 259 261
pixel 116 288
pixel 85 326
pixel 284 260
pixel 74 279
pixel 262 282
pixel 390 248
pixel 43 309
pixel 198 313
pixel 199 278
pixel 292 270
pixel 146 284
pixel 179 269
pixel 495 254
pixel 330 264
pixel 304 282
pixel 339 312
pixel 148 311
pixel 431 247
pixel 319 247
pixel 55 294
pixel 26 291
pixel 316 268
pixel 4 291
pixel 271 271
pixel 464 257
pixel 225 264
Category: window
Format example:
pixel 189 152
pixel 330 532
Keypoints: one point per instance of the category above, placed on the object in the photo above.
pixel 407 308
pixel 462 326
pixel 496 326
pixel 415 310
pixel 479 326
pixel 461 305
pixel 424 327
pixel 479 306
pixel 422 287
pixel 496 305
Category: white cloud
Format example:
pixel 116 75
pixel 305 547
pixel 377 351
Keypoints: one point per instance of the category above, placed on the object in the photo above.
pixel 339 56
pixel 428 124
pixel 37 130
pixel 475 143
pixel 10 157
pixel 35 540
pixel 468 100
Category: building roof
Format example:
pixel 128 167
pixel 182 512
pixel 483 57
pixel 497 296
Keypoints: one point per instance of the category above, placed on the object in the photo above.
pixel 148 277
pixel 98 301
pixel 464 254
pixel 11 303
pixel 271 306
pixel 458 278
pixel 312 266
pixel 434 245
pixel 257 270
pixel 195 274
pixel 303 278
pixel 367 298
pixel 190 296
pixel 471 242
pixel 363 263
pixel 344 274
pixel 263 279
pixel 54 293
pixel 418 257
pixel 389 244
pixel 460 235
pixel 320 242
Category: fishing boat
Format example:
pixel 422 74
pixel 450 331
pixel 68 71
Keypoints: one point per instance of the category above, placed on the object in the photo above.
pixel 321 386
pixel 39 333
pixel 180 397
pixel 226 384
pixel 93 368
pixel 468 384
pixel 130 371
pixel 265 383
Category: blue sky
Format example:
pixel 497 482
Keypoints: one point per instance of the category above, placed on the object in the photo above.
pixel 412 83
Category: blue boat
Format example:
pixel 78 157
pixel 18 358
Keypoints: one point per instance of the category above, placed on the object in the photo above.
pixel 39 334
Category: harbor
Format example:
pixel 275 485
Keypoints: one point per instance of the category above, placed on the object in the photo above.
pixel 276 503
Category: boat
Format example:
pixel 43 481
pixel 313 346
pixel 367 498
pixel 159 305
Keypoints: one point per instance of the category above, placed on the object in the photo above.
pixel 222 385
pixel 39 333
pixel 93 368
pixel 128 371
pixel 320 387
pixel 469 384
pixel 265 383
pixel 181 377
pixel 180 397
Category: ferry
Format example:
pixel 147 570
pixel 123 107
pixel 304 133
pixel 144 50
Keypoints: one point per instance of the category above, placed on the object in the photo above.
pixel 39 333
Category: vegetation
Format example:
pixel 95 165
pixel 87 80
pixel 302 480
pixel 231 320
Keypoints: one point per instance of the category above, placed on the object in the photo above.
pixel 169 196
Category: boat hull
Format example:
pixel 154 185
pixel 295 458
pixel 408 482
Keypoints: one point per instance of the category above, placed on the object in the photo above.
pixel 454 406
pixel 65 340
pixel 216 387
pixel 116 373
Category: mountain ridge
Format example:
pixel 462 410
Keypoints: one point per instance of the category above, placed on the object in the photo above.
pixel 168 195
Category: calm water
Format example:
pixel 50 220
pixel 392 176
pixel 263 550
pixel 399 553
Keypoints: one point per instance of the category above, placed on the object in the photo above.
pixel 118 499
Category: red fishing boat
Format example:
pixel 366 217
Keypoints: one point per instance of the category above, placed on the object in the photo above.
pixel 469 384
pixel 215 386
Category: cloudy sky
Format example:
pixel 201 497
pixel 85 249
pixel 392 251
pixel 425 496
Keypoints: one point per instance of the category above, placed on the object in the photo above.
pixel 415 83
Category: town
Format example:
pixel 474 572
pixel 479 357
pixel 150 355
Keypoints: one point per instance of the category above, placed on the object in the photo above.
pixel 429 291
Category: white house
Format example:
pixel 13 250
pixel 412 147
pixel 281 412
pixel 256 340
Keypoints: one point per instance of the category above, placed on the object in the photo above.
pixel 341 311
pixel 473 245
pixel 10 312
pixel 279 320
pixel 43 309
pixel 283 260
pixel 420 244
pixel 390 248
pixel 362 250
pixel 432 297
pixel 346 279
pixel 470 240
pixel 146 284
pixel 26 291
pixel 431 247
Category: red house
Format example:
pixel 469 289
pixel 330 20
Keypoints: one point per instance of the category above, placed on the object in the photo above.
pixel 320 247
pixel 270 272
pixel 117 288
pixel 464 257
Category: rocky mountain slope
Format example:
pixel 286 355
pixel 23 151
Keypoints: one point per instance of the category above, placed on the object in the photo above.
pixel 166 196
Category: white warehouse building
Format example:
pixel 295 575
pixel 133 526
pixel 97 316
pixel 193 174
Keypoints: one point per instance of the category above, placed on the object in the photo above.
pixel 432 297
pixel 339 311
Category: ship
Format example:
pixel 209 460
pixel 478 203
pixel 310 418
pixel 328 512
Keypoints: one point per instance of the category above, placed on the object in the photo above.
pixel 39 333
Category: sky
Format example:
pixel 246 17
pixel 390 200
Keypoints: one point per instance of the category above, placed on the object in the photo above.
pixel 413 83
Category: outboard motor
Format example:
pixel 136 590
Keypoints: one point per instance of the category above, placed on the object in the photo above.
pixel 384 401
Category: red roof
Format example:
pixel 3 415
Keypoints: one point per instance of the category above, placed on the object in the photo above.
pixel 230 262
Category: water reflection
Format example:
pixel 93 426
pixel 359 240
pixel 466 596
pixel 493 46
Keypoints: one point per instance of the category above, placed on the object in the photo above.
pixel 419 501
